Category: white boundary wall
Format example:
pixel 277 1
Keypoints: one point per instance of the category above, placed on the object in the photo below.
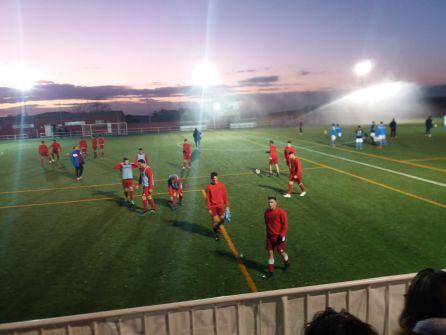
pixel 378 301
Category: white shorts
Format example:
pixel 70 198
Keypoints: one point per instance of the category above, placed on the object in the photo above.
pixel 339 135
pixel 372 135
pixel 381 137
pixel 359 140
pixel 333 137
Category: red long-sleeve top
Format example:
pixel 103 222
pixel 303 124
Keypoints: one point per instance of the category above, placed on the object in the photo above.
pixel 216 195
pixel 288 150
pixel 273 151
pixel 276 222
pixel 296 167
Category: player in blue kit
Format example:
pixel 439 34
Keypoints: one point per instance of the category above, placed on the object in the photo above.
pixel 333 134
pixel 381 135
pixel 339 130
pixel 359 136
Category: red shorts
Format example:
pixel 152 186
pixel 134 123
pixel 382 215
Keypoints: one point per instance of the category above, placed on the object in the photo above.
pixel 127 183
pixel 84 149
pixel 294 178
pixel 101 146
pixel 173 192
pixel 145 191
pixel 186 156
pixel 95 148
pixel 271 243
pixel 43 155
pixel 220 211
pixel 273 160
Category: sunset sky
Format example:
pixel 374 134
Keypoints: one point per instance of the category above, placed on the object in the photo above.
pixel 138 50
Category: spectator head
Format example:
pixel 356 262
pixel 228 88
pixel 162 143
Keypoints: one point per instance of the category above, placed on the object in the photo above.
pixel 425 298
pixel 330 322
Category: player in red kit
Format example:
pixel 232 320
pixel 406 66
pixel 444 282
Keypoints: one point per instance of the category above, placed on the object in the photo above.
pixel 217 203
pixel 175 191
pixel 147 183
pixel 44 153
pixel 141 155
pixel 276 223
pixel 83 146
pixel 288 150
pixel 273 159
pixel 101 142
pixel 94 146
pixel 295 176
pixel 56 150
pixel 126 169
pixel 186 155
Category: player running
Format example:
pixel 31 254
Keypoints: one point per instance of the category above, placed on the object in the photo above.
pixel 276 223
pixel 126 169
pixel 94 146
pixel 83 145
pixel 333 135
pixel 56 150
pixel 217 203
pixel 175 191
pixel 273 159
pixel 288 150
pixel 359 136
pixel 101 142
pixel 187 161
pixel 141 155
pixel 44 153
pixel 147 183
pixel 197 137
pixel 295 175
pixel 78 162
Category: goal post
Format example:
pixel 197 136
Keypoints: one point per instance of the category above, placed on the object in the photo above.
pixel 110 128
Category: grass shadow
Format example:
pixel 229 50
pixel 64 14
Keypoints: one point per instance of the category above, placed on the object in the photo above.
pixel 273 188
pixel 191 227
pixel 249 263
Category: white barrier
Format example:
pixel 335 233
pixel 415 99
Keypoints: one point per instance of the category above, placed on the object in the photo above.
pixel 192 127
pixel 240 125
pixel 377 301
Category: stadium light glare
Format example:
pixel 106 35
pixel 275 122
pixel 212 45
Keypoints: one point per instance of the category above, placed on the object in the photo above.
pixel 205 74
pixel 216 107
pixel 363 68
pixel 376 93
pixel 17 77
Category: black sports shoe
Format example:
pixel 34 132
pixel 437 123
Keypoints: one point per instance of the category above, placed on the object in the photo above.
pixel 268 275
pixel 217 237
pixel 286 266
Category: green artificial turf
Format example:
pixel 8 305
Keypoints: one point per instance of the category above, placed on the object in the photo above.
pixel 356 221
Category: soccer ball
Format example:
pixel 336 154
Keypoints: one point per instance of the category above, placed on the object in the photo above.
pixel 257 171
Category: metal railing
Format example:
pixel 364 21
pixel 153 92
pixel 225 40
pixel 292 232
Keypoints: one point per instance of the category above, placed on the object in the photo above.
pixel 378 301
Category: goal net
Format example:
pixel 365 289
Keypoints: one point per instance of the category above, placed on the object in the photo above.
pixel 111 128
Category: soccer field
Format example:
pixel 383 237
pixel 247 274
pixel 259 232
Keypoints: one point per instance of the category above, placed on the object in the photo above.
pixel 72 247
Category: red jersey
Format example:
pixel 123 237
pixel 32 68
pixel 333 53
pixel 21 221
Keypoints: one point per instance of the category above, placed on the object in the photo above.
pixel 272 151
pixel 43 149
pixel 101 141
pixel 276 222
pixel 55 147
pixel 296 168
pixel 186 148
pixel 94 142
pixel 83 144
pixel 288 150
pixel 216 195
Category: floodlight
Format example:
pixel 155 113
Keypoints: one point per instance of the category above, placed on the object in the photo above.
pixel 363 68
pixel 205 74
pixel 376 93
pixel 216 106
pixel 17 77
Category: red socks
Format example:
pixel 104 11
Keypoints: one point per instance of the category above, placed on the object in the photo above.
pixel 290 188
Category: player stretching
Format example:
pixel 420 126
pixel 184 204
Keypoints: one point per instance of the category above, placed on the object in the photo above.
pixel 56 150
pixel 126 169
pixel 141 155
pixel 216 201
pixel 101 142
pixel 295 175
pixel 276 228
pixel 273 159
pixel 359 135
pixel 288 150
pixel 186 155
pixel 175 191
pixel 94 146
pixel 146 180
pixel 44 153
pixel 83 146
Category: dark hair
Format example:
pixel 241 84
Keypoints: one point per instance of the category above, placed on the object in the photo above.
pixel 330 322
pixel 125 159
pixel 42 142
pixel 425 298
pixel 54 140
pixel 289 142
pixel 271 141
pixel 214 174
pixel 141 161
pixel 140 149
pixel 272 198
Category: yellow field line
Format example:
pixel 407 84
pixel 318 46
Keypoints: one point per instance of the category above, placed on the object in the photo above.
pixel 425 159
pixel 435 203
pixel 252 286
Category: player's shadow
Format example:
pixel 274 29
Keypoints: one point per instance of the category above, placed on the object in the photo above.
pixel 175 165
pixel 113 197
pixel 249 263
pixel 162 202
pixel 195 155
pixel 273 188
pixel 190 227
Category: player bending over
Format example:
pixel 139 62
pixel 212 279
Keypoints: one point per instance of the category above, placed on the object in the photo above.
pixel 126 169
pixel 175 190
pixel 288 150
pixel 141 155
pixel 56 150
pixel 147 183
pixel 44 153
pixel 295 175
pixel 273 159
pixel 217 203
pixel 276 223
pixel 101 142
pixel 187 161
pixel 359 136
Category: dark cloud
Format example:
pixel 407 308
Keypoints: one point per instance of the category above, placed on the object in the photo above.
pixel 308 72
pixel 253 70
pixel 259 81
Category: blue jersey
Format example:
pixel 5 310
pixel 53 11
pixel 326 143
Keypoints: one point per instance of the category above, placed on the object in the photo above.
pixel 359 133
pixel 381 129
pixel 339 129
pixel 372 129
pixel 333 131
pixel 76 158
